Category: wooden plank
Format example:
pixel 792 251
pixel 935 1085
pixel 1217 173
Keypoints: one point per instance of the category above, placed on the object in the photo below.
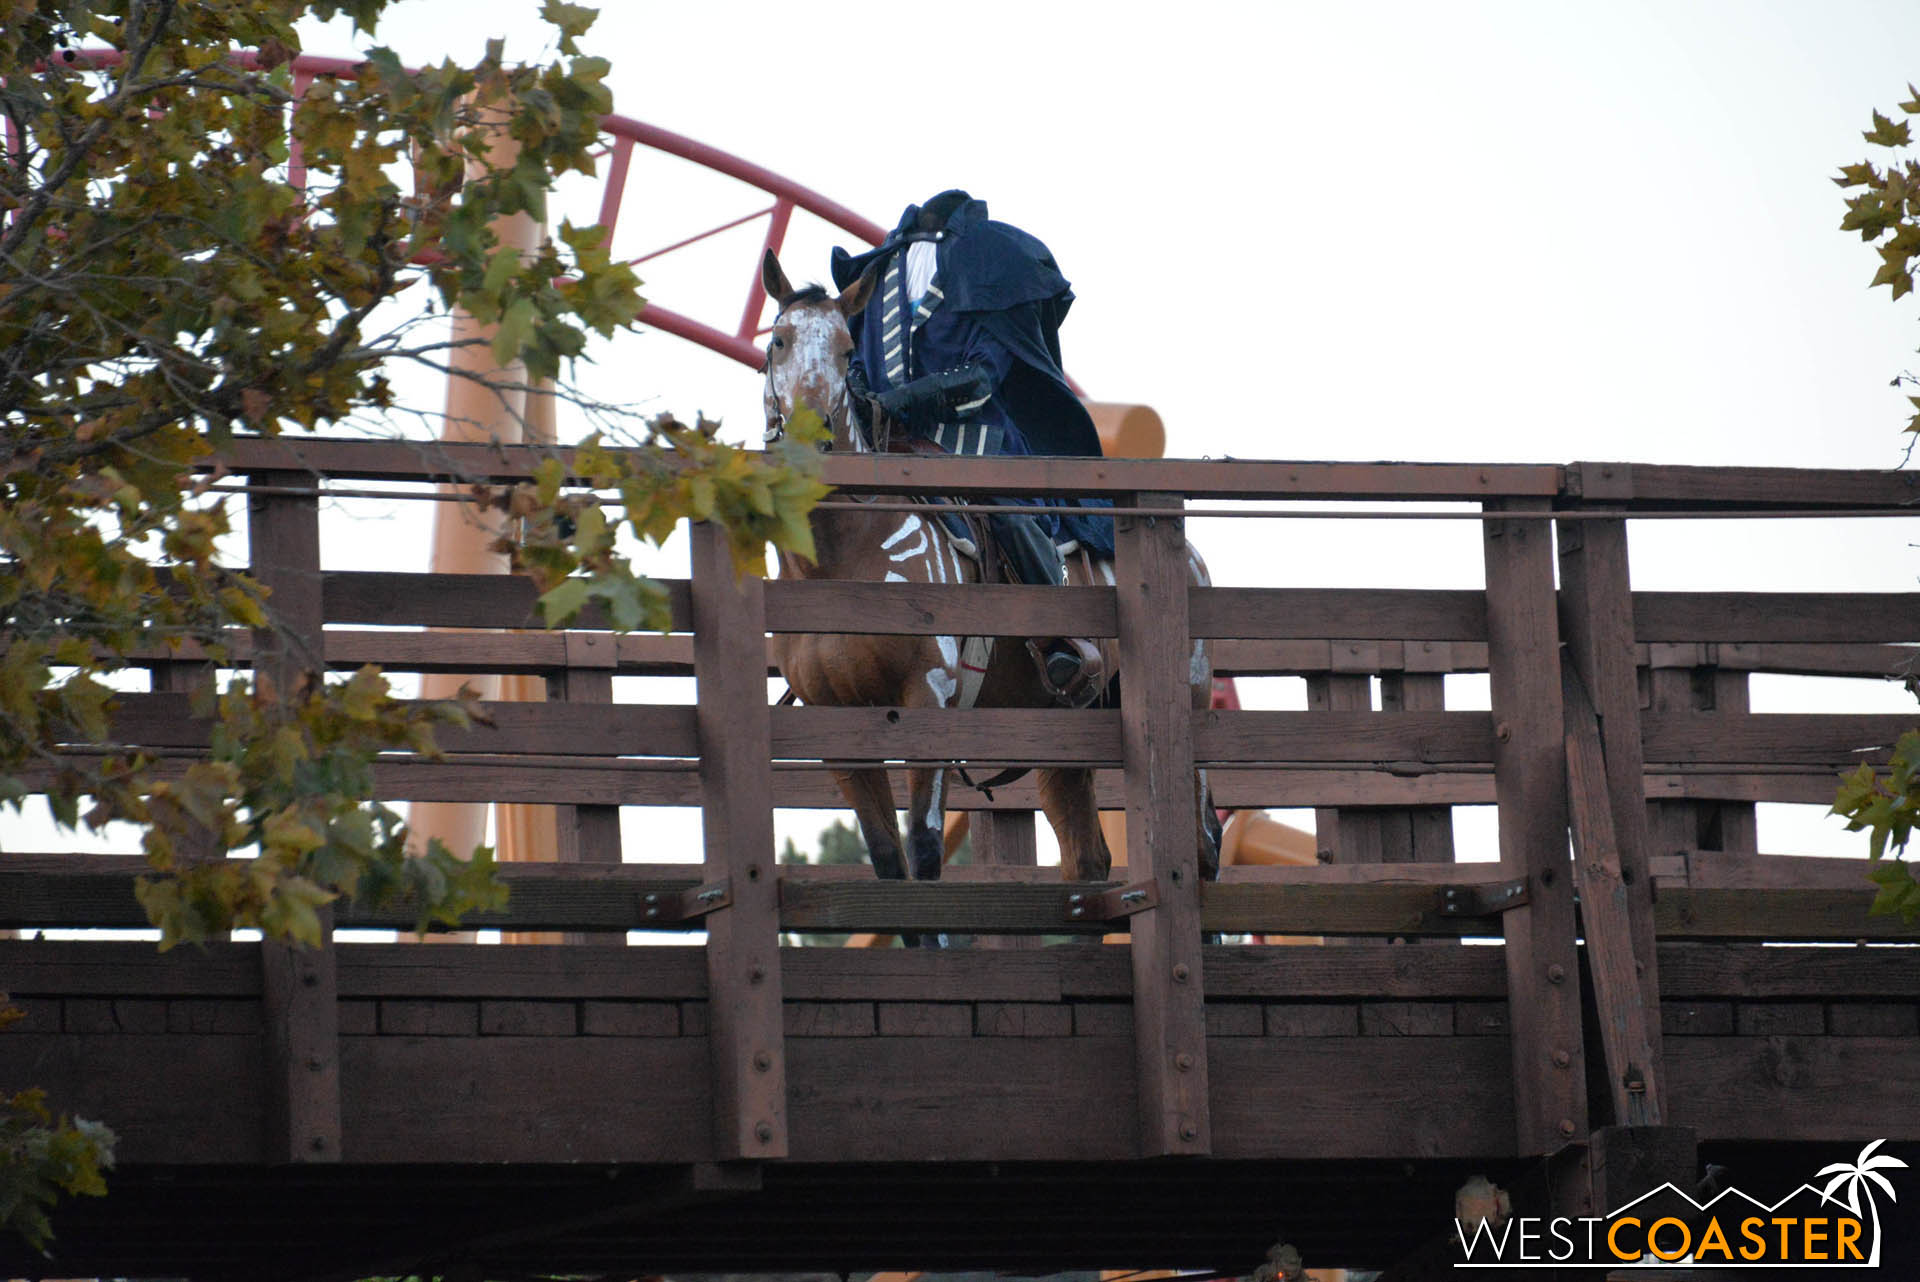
pixel 1757 489
pixel 342 458
pixel 1358 613
pixel 1775 1090
pixel 1387 899
pixel 1090 736
pixel 1806 786
pixel 1778 915
pixel 585 833
pixel 159 1087
pixel 1777 738
pixel 1056 736
pixel 748 1055
pixel 936 609
pixel 1348 1097
pixel 648 654
pixel 391 598
pixel 661 782
pixel 1222 736
pixel 1549 1073
pixel 299 997
pixel 1798 617
pixel 298 983
pixel 1004 839
pixel 1749 970
pixel 467 1099
pixel 1300 658
pixel 1420 834
pixel 1156 647
pixel 1616 913
pixel 1608 809
pixel 1820 660
pixel 1349 836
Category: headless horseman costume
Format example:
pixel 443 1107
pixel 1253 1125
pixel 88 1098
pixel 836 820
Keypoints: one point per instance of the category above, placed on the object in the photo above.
pixel 959 343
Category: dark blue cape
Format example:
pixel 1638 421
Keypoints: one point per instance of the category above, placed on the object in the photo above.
pixel 1002 290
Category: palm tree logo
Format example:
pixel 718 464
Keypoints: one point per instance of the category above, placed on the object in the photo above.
pixel 1855 1176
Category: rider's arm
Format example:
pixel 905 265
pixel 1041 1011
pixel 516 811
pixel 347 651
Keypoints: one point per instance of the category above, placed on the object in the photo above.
pixel 955 394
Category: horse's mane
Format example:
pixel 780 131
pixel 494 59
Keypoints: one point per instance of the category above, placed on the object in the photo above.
pixel 805 294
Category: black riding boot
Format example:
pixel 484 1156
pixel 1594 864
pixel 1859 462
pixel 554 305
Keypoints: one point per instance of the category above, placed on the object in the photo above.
pixel 1070 667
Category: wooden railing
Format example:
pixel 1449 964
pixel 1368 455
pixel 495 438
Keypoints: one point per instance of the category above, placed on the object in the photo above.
pixel 1618 716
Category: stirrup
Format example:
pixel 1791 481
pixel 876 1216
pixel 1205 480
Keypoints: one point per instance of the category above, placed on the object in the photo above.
pixel 1074 679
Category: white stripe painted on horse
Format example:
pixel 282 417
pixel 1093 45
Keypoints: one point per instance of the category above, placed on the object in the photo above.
pixel 894 576
pixel 935 800
pixel 917 550
pixel 1106 572
pixel 907 527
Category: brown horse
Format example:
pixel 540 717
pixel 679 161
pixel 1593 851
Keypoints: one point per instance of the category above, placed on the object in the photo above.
pixel 806 368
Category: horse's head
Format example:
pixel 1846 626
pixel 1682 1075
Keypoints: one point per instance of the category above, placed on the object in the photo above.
pixel 807 353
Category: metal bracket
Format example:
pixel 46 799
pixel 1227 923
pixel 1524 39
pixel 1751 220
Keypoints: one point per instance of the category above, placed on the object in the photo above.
pixel 1114 904
pixel 691 904
pixel 1487 900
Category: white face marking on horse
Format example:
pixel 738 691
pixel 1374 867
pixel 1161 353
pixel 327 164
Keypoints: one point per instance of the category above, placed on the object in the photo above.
pixel 943 684
pixel 949 650
pixel 806 365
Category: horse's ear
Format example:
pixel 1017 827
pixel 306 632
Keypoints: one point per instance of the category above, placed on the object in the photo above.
pixel 772 279
pixel 854 299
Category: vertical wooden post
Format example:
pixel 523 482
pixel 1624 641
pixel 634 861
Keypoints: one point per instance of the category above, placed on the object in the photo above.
pixel 299 992
pixel 1156 654
pixel 584 833
pixel 1417 834
pixel 1688 678
pixel 1004 838
pixel 1530 776
pixel 1596 615
pixel 744 1036
pixel 1344 835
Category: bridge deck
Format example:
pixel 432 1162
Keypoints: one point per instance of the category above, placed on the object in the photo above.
pixel 970 1108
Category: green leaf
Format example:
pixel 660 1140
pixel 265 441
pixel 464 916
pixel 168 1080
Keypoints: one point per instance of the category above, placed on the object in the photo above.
pixel 515 327
pixel 559 606
pixel 573 21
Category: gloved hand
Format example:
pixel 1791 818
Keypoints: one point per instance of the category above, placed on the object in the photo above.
pixel 950 397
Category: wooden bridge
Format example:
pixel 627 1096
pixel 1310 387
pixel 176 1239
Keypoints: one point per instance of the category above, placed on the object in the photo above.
pixel 736 1104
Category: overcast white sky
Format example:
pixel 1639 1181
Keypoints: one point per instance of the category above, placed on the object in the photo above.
pixel 1486 232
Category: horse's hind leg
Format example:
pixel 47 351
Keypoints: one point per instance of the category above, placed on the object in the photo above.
pixel 1067 797
pixel 871 796
pixel 926 821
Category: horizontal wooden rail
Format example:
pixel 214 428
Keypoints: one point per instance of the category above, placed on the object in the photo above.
pixel 1629 487
pixel 650 654
pixel 1656 487
pixel 1700 895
